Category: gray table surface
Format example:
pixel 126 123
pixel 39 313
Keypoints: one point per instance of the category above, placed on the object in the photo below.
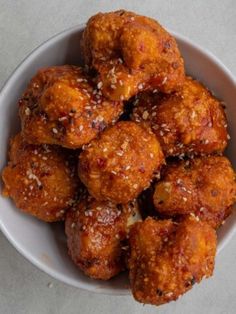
pixel 23 26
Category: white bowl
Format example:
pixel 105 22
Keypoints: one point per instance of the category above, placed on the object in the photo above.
pixel 44 244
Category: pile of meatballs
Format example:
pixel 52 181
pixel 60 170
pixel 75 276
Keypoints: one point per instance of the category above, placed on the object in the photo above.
pixel 127 150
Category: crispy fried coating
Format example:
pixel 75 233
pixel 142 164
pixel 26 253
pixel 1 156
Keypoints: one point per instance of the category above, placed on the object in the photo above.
pixel 96 236
pixel 120 164
pixel 61 106
pixel 41 180
pixel 203 186
pixel 131 53
pixel 191 121
pixel 168 258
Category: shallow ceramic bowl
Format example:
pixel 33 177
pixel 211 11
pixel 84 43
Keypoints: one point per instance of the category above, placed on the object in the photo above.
pixel 44 244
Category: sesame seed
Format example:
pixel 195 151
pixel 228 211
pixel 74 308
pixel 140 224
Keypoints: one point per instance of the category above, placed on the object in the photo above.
pixel 27 111
pixel 194 216
pixel 62 118
pixel 125 248
pixel 99 85
pixel 145 115
pixel 54 130
pixel 164 80
pixel 185 199
pixel 193 115
pixel 124 145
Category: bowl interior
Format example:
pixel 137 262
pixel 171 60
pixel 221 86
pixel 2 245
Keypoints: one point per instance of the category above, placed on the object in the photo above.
pixel 44 244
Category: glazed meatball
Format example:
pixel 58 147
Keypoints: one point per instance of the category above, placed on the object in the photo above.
pixel 203 186
pixel 120 163
pixel 61 106
pixel 96 236
pixel 168 258
pixel 41 180
pixel 131 53
pixel 191 121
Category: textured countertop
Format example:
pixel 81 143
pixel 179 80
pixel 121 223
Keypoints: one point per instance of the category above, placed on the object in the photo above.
pixel 23 26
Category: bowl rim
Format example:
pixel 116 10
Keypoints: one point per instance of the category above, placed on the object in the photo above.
pixel 4 90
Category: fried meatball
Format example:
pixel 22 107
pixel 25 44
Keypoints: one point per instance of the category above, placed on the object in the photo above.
pixel 188 122
pixel 168 258
pixel 96 236
pixel 203 186
pixel 120 163
pixel 131 53
pixel 41 180
pixel 61 106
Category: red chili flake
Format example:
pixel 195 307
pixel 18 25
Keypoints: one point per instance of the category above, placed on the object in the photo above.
pixel 167 45
pixel 175 65
pixel 214 192
pixel 142 47
pixel 142 169
pixel 101 162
